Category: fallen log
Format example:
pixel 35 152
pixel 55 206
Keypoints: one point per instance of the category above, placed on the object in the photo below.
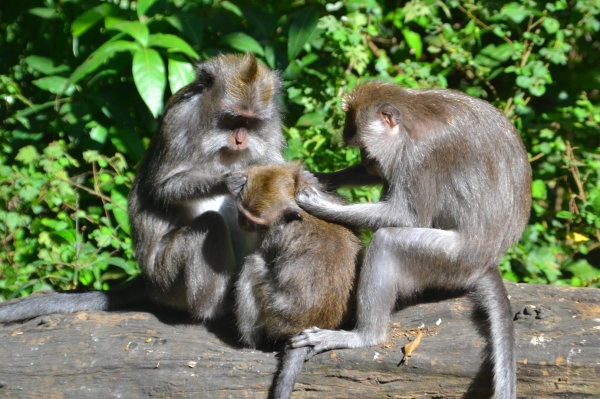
pixel 137 354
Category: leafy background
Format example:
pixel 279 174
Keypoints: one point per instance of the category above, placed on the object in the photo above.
pixel 83 83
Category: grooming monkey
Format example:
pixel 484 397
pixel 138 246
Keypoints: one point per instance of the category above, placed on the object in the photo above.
pixel 303 273
pixel 457 194
pixel 183 219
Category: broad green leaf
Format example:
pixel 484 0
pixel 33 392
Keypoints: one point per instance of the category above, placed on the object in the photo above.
pixel 120 210
pixel 229 6
pixel 564 215
pixel 413 40
pixel 46 13
pixel 143 6
pixel 515 12
pixel 302 26
pixel 311 119
pixel 135 29
pixel 69 235
pixel 539 190
pixel 242 42
pixel 53 84
pixel 551 25
pixel 85 21
pixel 132 271
pixel 181 72
pixel 27 154
pixel 45 65
pixel 98 57
pixel 189 25
pixel 149 77
pixel 172 43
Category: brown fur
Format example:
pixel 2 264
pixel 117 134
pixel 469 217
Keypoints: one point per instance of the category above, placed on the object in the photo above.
pixel 310 264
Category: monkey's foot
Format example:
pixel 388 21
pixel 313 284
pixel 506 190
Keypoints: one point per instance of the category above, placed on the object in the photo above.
pixel 322 340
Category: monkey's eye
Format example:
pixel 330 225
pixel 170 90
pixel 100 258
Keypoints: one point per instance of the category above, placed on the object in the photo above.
pixel 235 122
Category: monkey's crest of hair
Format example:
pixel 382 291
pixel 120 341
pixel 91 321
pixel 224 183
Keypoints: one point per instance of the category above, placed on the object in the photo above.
pixel 248 86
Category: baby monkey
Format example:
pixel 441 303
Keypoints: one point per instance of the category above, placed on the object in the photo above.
pixel 301 276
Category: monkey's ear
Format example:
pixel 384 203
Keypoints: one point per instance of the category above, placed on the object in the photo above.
pixel 205 78
pixel 292 212
pixel 389 114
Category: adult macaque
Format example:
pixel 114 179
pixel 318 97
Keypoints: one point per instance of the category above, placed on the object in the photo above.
pixel 183 220
pixel 456 196
pixel 301 276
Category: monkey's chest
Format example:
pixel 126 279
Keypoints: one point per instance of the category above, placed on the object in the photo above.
pixel 243 243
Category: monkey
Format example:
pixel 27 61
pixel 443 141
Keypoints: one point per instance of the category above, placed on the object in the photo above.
pixel 456 194
pixel 183 219
pixel 302 274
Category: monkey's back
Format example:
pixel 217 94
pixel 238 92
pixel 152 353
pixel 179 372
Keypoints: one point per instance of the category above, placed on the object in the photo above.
pixel 457 161
pixel 312 270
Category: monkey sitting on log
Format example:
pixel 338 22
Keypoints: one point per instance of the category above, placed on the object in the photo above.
pixel 183 219
pixel 303 273
pixel 457 194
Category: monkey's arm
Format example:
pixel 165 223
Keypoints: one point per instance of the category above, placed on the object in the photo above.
pixel 189 185
pixel 354 176
pixel 363 216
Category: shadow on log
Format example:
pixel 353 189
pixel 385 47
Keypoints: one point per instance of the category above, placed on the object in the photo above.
pixel 139 354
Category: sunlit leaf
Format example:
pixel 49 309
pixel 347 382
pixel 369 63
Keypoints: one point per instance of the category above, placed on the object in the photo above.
pixel 413 40
pixel 149 77
pixel 88 19
pixel 120 210
pixel 172 43
pixel 135 29
pixel 181 72
pixel 143 6
pixel 242 42
pixel 98 57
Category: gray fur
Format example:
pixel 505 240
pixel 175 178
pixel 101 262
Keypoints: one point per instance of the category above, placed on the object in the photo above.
pixel 456 196
pixel 183 219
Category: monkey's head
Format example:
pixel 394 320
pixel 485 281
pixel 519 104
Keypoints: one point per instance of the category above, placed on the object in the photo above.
pixel 268 197
pixel 374 123
pixel 229 115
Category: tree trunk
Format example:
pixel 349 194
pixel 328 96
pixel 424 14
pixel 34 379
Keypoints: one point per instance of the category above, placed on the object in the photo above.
pixel 136 354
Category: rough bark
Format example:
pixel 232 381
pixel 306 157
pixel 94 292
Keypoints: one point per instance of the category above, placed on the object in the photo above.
pixel 137 354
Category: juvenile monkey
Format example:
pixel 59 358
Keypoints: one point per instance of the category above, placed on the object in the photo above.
pixel 183 219
pixel 302 274
pixel 457 194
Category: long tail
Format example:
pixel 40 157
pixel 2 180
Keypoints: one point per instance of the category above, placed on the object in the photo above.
pixel 128 294
pixel 490 294
pixel 291 365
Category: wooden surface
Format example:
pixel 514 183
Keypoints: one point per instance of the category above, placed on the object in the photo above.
pixel 138 354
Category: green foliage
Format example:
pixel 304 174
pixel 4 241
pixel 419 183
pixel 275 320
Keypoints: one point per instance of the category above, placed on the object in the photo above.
pixel 83 83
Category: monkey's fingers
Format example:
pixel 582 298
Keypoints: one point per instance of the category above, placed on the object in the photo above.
pixel 305 338
pixel 235 181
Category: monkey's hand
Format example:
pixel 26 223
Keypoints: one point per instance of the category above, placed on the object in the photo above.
pixel 322 340
pixel 313 201
pixel 235 182
pixel 309 180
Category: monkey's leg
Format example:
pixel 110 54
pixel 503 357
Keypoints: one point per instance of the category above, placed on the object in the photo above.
pixel 403 261
pixel 254 273
pixel 195 265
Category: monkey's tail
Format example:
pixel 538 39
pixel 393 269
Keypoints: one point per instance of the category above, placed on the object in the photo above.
pixel 490 294
pixel 291 365
pixel 128 294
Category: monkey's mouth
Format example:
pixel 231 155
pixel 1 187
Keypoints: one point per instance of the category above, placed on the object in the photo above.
pixel 370 164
